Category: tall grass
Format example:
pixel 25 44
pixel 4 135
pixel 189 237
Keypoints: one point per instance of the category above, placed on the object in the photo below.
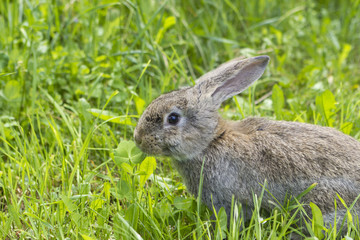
pixel 75 76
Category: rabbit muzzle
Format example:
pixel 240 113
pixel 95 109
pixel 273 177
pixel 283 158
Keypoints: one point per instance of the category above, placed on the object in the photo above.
pixel 149 143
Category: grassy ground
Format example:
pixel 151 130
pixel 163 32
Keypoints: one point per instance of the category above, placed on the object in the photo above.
pixel 75 76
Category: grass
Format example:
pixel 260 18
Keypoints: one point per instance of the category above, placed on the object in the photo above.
pixel 76 75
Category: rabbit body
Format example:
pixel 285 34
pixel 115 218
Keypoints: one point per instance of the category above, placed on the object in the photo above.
pixel 240 156
pixel 289 156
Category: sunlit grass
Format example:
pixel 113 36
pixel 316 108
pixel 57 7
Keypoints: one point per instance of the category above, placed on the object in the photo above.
pixel 63 171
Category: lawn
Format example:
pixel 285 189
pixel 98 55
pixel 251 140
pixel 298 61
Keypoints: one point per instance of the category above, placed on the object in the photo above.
pixel 76 75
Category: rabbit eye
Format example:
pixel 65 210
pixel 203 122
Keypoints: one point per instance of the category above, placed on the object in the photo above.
pixel 173 118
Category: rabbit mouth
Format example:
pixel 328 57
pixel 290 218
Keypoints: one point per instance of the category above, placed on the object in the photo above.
pixel 154 148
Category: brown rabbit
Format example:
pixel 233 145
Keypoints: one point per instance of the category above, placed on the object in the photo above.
pixel 240 156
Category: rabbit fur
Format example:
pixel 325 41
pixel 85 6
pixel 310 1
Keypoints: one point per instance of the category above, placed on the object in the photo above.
pixel 241 155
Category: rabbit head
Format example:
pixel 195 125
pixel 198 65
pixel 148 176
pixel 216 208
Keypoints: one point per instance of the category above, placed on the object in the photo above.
pixel 181 124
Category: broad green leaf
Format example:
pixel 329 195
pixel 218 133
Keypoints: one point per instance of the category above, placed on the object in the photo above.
pixel 326 105
pixel 165 209
pixel 104 75
pixel 344 53
pixel 317 221
pixel 127 152
pixel 79 92
pixel 182 203
pixel 123 188
pixel 107 187
pixel 70 206
pixel 278 101
pixel 111 117
pixel 75 217
pixel 221 224
pixel 147 167
pixel 278 34
pixel 85 237
pixel 346 127
pixel 12 90
pixel 127 167
pixel 100 58
pixel 97 203
pixel 84 70
pixel 104 213
pixel 105 65
pixel 169 22
pixel 132 214
pixel 139 104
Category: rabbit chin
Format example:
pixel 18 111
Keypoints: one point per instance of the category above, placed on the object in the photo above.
pixel 155 150
pixel 181 155
pixel 171 152
pixel 178 156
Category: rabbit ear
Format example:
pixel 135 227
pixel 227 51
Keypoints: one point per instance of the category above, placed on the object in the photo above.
pixel 233 77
